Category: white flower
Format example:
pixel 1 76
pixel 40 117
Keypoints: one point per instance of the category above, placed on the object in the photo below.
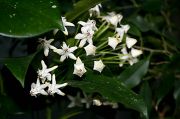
pixel 86 35
pixel 44 74
pixel 46 45
pixel 135 52
pixel 113 18
pixel 75 101
pixel 97 102
pixel 66 52
pixel 38 88
pixel 79 68
pixel 87 100
pixel 90 49
pixel 98 66
pixel 127 57
pixel 65 23
pixel 95 10
pixel 113 42
pixel 54 88
pixel 91 24
pixel 130 42
pixel 123 29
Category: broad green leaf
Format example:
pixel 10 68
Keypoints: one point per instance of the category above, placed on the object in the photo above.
pixel 27 18
pixel 113 90
pixel 147 95
pixel 134 31
pixel 141 23
pixel 132 75
pixel 81 7
pixel 19 66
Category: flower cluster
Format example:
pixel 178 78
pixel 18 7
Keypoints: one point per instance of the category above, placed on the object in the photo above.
pixel 117 48
pixel 46 83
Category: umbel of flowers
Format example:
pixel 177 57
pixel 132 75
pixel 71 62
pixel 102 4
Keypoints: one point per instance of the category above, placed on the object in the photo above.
pixel 118 49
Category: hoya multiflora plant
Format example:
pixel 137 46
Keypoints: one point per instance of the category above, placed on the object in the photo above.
pixel 117 49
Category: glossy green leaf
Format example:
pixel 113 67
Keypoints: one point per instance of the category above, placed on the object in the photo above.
pixel 113 90
pixel 81 7
pixel 141 23
pixel 146 93
pixel 27 18
pixel 19 66
pixel 132 75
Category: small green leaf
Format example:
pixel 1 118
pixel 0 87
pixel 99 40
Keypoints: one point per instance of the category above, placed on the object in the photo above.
pixel 113 90
pixel 19 66
pixel 133 74
pixel 27 18
pixel 81 7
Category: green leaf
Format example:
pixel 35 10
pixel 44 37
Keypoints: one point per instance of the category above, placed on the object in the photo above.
pixel 147 95
pixel 27 18
pixel 141 23
pixel 19 66
pixel 113 90
pixel 132 75
pixel 81 7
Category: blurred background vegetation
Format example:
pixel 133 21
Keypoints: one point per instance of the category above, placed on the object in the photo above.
pixel 154 22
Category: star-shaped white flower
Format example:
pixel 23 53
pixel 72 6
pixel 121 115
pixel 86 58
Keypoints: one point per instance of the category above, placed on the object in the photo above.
pixel 98 66
pixel 85 36
pixel 95 10
pixel 128 56
pixel 130 42
pixel 66 52
pixel 113 18
pixel 54 88
pixel 87 100
pixel 75 101
pixel 46 44
pixel 44 73
pixel 90 49
pixel 90 24
pixel 65 23
pixel 113 42
pixel 79 68
pixel 37 88
pixel 121 30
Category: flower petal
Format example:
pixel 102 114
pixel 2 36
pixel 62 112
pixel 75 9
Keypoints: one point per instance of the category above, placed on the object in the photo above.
pixel 130 42
pixel 135 52
pixel 113 42
pixel 72 56
pixel 80 36
pixel 63 57
pixel 72 49
pixel 82 43
pixel 46 51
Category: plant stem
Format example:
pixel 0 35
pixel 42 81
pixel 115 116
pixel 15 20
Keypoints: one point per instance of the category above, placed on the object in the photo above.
pixel 1 85
pixel 48 113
